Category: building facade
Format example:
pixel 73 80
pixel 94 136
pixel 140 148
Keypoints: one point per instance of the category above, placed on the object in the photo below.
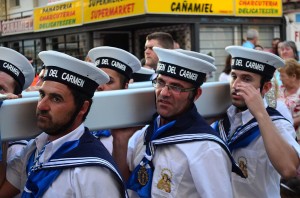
pixel 74 27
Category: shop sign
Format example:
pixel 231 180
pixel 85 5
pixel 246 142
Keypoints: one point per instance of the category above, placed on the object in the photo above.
pixel 56 16
pixel 100 10
pixel 261 8
pixel 193 7
pixel 17 26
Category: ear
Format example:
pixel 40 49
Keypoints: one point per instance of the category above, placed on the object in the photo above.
pixel 198 94
pixel 126 85
pixel 84 107
pixel 267 86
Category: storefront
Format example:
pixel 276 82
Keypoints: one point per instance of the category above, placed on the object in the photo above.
pixel 77 26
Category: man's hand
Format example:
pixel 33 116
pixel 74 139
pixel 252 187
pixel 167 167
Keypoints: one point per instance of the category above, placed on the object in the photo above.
pixel 252 98
pixel 9 96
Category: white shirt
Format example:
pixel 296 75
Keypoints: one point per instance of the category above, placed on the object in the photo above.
pixel 108 143
pixel 195 169
pixel 263 180
pixel 88 181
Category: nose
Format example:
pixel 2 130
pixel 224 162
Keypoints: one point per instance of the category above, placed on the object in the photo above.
pixel 147 50
pixel 165 90
pixel 43 104
pixel 234 82
pixel 100 88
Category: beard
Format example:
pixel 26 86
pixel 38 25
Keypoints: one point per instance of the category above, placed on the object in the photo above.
pixel 56 128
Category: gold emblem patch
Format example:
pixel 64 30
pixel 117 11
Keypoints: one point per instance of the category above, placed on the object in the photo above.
pixel 164 183
pixel 143 176
pixel 243 165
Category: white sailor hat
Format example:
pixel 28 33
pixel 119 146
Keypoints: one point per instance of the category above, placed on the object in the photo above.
pixel 202 56
pixel 116 59
pixel 144 74
pixel 256 61
pixel 16 65
pixel 178 65
pixel 73 72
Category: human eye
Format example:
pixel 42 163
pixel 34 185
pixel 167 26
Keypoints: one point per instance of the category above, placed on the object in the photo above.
pixel 56 98
pixel 247 79
pixel 42 94
pixel 175 88
pixel 110 82
pixel 160 83
pixel 2 90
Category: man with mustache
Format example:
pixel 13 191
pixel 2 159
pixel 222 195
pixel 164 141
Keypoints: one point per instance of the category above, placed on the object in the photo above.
pixel 262 141
pixel 178 154
pixel 65 160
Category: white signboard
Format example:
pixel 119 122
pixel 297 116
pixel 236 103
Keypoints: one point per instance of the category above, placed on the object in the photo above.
pixel 17 26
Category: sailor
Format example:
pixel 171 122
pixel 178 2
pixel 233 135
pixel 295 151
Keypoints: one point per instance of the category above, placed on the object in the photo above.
pixel 65 160
pixel 16 75
pixel 178 153
pixel 120 66
pixel 262 141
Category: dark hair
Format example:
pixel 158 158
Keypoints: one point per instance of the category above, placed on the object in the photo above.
pixel 123 80
pixel 79 99
pixel 18 88
pixel 276 46
pixel 227 68
pixel 164 39
pixel 258 46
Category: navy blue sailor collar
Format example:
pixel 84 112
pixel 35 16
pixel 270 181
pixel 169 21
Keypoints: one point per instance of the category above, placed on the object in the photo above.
pixel 190 122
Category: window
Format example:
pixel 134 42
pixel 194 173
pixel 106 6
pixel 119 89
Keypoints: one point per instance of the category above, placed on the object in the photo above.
pixel 14 3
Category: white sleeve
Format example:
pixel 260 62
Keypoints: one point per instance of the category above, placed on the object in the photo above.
pixel 95 181
pixel 211 172
pixel 16 167
pixel 133 143
pixel 287 131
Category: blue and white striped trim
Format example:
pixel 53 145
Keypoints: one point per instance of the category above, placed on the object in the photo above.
pixel 247 128
pixel 65 162
pixel 193 137
pixel 187 138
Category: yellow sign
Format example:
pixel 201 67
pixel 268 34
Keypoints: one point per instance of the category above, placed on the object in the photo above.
pixel 58 16
pixel 261 8
pixel 193 7
pixel 100 10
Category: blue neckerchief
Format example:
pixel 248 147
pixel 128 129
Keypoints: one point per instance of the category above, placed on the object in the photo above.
pixel 88 151
pixel 40 179
pixel 245 134
pixel 101 133
pixel 188 127
pixel 145 167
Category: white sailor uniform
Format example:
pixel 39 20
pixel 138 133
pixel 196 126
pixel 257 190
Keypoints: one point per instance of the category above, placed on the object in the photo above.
pixel 262 178
pixel 84 181
pixel 199 168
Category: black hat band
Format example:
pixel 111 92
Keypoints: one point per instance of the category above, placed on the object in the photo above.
pixel 72 79
pixel 245 64
pixel 13 71
pixel 111 63
pixel 181 73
